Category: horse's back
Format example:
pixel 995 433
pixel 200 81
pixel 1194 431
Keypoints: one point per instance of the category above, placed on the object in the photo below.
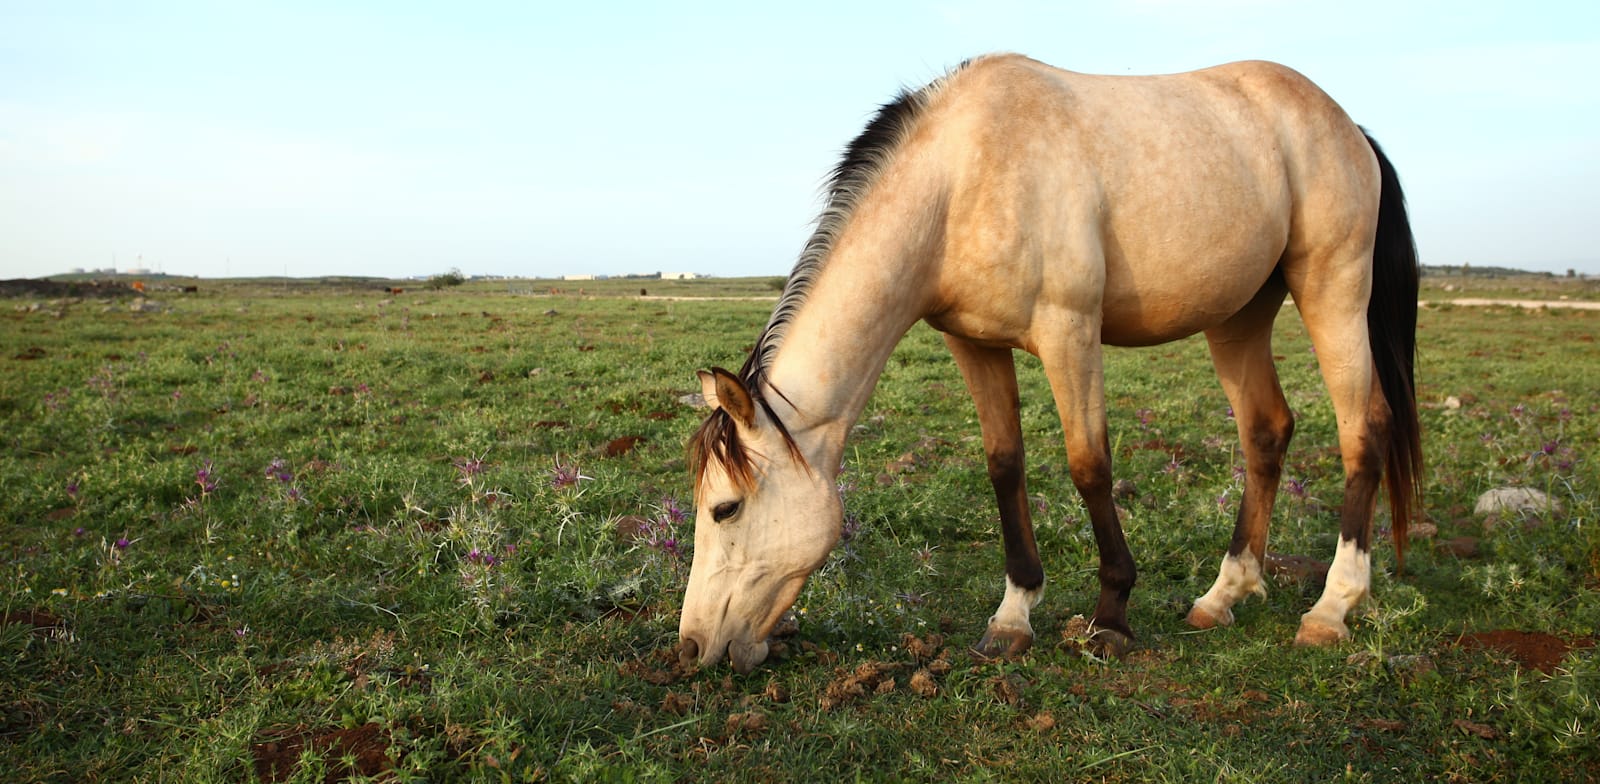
pixel 1162 203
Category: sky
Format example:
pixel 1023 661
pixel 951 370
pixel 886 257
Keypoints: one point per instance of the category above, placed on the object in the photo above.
pixel 231 138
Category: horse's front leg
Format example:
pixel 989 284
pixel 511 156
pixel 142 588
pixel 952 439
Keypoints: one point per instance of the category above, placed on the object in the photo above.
pixel 991 377
pixel 1073 363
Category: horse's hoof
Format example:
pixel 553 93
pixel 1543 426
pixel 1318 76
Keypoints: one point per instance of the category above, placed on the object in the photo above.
pixel 1109 643
pixel 1317 632
pixel 1199 618
pixel 1003 644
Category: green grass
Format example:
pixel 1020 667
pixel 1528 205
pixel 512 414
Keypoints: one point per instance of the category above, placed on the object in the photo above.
pixel 329 602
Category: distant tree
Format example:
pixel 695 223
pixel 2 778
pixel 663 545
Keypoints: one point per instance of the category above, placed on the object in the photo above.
pixel 451 278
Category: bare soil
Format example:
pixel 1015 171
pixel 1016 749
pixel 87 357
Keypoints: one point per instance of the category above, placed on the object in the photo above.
pixel 1532 650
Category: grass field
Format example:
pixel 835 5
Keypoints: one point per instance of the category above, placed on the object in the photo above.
pixel 301 533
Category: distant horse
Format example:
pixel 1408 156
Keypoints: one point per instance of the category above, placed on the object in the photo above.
pixel 1012 205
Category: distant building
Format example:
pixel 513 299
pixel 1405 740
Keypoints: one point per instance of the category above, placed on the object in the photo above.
pixel 579 277
pixel 681 275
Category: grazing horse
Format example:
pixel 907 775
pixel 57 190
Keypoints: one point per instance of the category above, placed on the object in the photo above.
pixel 1013 205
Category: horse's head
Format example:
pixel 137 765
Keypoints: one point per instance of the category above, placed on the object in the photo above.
pixel 765 519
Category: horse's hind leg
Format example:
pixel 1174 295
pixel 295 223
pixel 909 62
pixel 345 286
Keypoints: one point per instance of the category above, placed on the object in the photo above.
pixel 1334 311
pixel 1241 351
pixel 991 377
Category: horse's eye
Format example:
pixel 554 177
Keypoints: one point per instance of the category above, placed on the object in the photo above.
pixel 724 511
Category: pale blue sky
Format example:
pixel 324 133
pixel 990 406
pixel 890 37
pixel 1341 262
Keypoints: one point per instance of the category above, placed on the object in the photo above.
pixel 516 138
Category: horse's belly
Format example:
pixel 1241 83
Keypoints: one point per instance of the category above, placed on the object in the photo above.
pixel 1177 305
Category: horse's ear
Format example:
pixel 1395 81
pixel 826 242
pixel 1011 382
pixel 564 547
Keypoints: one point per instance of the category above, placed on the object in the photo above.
pixel 724 390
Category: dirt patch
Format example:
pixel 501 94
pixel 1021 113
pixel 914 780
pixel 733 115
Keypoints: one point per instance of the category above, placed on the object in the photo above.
pixel 661 668
pixel 1531 650
pixel 358 751
pixel 43 623
pixel 621 446
pixel 1297 568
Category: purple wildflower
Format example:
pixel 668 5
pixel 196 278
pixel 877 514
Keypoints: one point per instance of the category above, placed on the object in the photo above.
pixel 53 400
pixel 850 530
pixel 565 475
pixel 80 531
pixel 672 510
pixel 279 470
pixel 205 477
pixel 260 377
pixel 1145 415
pixel 177 394
pixel 468 468
pixel 1174 465
pixel 481 558
pixel 122 543
pixel 1296 487
pixel 72 489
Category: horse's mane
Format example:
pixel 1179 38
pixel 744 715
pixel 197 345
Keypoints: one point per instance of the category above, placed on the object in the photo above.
pixel 863 162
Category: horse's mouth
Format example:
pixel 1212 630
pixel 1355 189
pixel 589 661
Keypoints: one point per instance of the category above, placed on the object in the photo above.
pixel 745 656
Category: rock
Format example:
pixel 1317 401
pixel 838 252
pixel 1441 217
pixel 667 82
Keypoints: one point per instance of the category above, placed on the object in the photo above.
pixel 1124 489
pixel 1460 546
pixel 1452 403
pixel 694 400
pixel 1515 501
pixel 1407 668
pixel 1362 659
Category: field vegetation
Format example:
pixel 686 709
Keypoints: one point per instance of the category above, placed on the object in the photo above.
pixel 277 531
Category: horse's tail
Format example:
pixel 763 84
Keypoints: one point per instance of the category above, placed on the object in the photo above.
pixel 1392 327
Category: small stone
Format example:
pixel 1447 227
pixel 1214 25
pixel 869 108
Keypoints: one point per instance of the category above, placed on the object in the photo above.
pixel 1516 501
pixel 1362 659
pixel 1124 489
pixel 1460 546
pixel 1409 667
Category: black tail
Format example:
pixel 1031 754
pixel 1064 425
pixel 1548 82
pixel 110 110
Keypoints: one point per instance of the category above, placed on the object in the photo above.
pixel 1392 326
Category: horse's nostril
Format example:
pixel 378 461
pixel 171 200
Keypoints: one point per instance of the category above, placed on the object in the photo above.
pixel 688 652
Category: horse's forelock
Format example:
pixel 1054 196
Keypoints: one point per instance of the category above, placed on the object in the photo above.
pixel 717 439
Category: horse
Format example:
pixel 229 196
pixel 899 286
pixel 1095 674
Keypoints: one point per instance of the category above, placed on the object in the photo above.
pixel 1012 205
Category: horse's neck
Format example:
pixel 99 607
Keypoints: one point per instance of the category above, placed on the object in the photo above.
pixel 875 286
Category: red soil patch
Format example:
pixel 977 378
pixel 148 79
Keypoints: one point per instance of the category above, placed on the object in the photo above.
pixel 622 446
pixel 366 746
pixel 41 621
pixel 1533 650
